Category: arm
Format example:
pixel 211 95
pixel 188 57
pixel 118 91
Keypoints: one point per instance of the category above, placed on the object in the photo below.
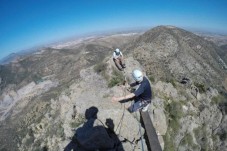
pixel 117 99
pixel 134 84
pixel 121 54
pixel 114 55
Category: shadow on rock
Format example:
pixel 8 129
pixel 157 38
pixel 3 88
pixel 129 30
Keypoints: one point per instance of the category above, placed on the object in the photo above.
pixel 93 135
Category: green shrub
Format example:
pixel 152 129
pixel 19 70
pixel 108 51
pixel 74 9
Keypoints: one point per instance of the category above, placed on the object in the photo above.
pixel 55 129
pixel 101 68
pixel 223 136
pixel 60 131
pixel 217 99
pixel 172 81
pixel 175 112
pixel 114 81
pixel 77 122
pixel 201 87
pixel 169 145
pixel 187 140
pixel 174 125
pixel 200 134
pixel 151 78
pixel 174 109
pixel 117 78
pixel 37 78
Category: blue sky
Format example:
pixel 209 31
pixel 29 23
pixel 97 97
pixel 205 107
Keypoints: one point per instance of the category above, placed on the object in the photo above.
pixel 28 23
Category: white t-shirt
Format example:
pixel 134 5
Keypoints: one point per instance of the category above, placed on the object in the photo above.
pixel 115 56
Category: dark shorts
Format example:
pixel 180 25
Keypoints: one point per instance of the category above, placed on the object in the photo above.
pixel 138 104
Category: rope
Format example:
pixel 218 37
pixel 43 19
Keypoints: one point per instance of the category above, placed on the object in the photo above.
pixel 122 117
pixel 120 123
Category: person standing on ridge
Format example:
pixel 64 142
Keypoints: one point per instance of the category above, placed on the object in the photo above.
pixel 118 59
pixel 142 95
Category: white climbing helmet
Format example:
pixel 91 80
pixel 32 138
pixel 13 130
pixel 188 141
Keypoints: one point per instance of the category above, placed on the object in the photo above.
pixel 117 50
pixel 137 75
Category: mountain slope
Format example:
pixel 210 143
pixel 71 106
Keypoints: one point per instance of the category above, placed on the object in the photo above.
pixel 222 52
pixel 29 85
pixel 168 52
pixel 44 96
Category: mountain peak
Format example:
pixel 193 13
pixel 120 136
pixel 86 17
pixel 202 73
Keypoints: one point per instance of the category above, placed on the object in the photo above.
pixel 175 52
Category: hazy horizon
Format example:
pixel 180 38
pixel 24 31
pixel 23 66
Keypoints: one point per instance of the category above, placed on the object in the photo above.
pixel 103 33
pixel 30 24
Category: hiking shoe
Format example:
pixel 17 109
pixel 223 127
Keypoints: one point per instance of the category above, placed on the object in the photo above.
pixel 145 108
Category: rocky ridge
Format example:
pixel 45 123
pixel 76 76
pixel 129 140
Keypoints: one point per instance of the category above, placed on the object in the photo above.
pixel 188 109
pixel 173 53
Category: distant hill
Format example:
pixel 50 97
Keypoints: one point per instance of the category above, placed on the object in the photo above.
pixel 218 39
pixel 9 58
pixel 14 56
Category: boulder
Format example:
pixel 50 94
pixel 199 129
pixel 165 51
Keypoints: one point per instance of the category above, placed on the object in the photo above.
pixel 167 89
pixel 211 92
pixel 159 121
pixel 211 116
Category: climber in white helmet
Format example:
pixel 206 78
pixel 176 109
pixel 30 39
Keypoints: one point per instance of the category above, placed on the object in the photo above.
pixel 118 59
pixel 142 95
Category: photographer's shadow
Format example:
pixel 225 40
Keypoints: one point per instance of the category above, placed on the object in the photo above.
pixel 93 135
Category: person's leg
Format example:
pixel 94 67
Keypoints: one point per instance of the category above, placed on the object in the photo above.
pixel 136 106
pixel 122 62
pixel 117 63
pixel 145 108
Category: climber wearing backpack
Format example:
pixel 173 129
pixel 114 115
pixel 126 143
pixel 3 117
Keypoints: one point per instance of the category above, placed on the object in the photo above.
pixel 142 95
pixel 118 59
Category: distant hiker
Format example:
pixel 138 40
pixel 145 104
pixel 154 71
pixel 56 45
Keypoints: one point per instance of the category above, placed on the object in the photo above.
pixel 118 59
pixel 142 95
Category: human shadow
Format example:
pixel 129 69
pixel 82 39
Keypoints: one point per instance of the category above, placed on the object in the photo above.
pixel 93 135
pixel 110 130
